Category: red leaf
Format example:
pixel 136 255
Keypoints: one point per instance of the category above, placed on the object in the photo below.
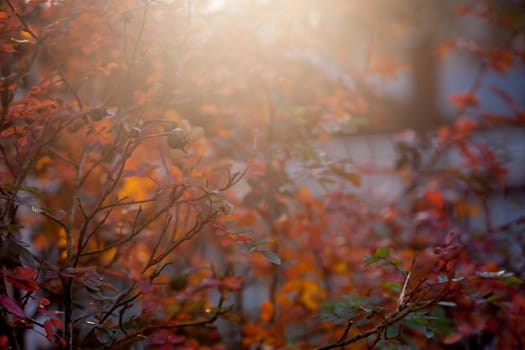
pixel 232 282
pixel 4 342
pixel 24 273
pixel 500 60
pixel 42 307
pixel 435 198
pixel 227 241
pixel 29 285
pixel 465 125
pixel 464 99
pixel 24 278
pixel 12 306
pixel 439 265
pixel 463 9
pixel 57 322
pixel 451 264
pixel 60 343
pixel 48 327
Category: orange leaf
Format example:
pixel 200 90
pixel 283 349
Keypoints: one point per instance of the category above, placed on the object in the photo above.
pixel 465 125
pixel 6 47
pixel 452 338
pixel 451 264
pixel 267 309
pixel 444 132
pixel 136 188
pixel 500 60
pixel 464 99
pixel 386 66
pixel 443 49
pixel 233 282
pixel 435 198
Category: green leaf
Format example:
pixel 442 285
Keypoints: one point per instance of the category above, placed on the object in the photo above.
pixel 494 297
pixel 392 332
pixel 513 279
pixel 382 252
pixel 408 340
pixel 428 333
pixel 447 303
pixel 442 278
pixel 239 230
pixel 506 276
pixel 34 190
pixel 369 260
pixel 420 320
pixel 396 287
pixel 260 244
pixel 403 270
pixel 441 324
pixel 354 178
pixel 271 256
pixel 395 261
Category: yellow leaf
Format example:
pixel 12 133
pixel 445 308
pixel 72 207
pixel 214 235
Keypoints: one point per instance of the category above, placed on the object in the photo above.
pixel 292 285
pixel 465 210
pixel 339 267
pixel 26 35
pixel 62 238
pixel 42 163
pixel 108 256
pixel 136 188
pixel 312 294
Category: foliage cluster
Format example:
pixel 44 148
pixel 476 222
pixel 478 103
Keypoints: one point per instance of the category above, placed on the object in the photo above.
pixel 162 183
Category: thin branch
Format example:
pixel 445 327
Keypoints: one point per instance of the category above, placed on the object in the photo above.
pixel 508 225
pixel 22 20
pixel 54 218
pixel 401 299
